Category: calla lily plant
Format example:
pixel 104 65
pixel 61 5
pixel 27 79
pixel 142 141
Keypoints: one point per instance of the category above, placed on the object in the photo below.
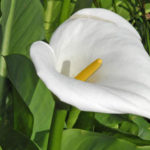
pixel 121 85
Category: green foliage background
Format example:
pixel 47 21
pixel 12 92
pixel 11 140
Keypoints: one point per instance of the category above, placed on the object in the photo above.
pixel 31 117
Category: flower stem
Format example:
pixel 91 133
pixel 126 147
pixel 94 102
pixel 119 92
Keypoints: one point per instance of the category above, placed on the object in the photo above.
pixel 56 130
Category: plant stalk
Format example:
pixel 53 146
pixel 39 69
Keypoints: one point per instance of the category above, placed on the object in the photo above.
pixel 56 130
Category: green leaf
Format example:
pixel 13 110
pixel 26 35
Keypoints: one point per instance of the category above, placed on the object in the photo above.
pixel 143 148
pixel 147 8
pixel 117 6
pixel 22 117
pixel 131 138
pixel 42 107
pixel 143 125
pixel 80 4
pixel 85 121
pixel 134 125
pixel 84 140
pixel 37 97
pixel 42 139
pixel 106 4
pixel 13 140
pixel 22 24
pixel 117 122
pixel 22 74
pixel 120 8
pixel 4 90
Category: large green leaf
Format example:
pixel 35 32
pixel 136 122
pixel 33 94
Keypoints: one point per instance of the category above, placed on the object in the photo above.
pixel 13 140
pixel 22 74
pixel 37 97
pixel 84 140
pixel 22 24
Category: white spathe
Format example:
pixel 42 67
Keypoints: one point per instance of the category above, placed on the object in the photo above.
pixel 121 85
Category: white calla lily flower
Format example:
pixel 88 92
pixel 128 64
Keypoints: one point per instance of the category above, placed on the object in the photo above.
pixel 121 85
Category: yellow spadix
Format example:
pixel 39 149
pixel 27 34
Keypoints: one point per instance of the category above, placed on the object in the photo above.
pixel 89 70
